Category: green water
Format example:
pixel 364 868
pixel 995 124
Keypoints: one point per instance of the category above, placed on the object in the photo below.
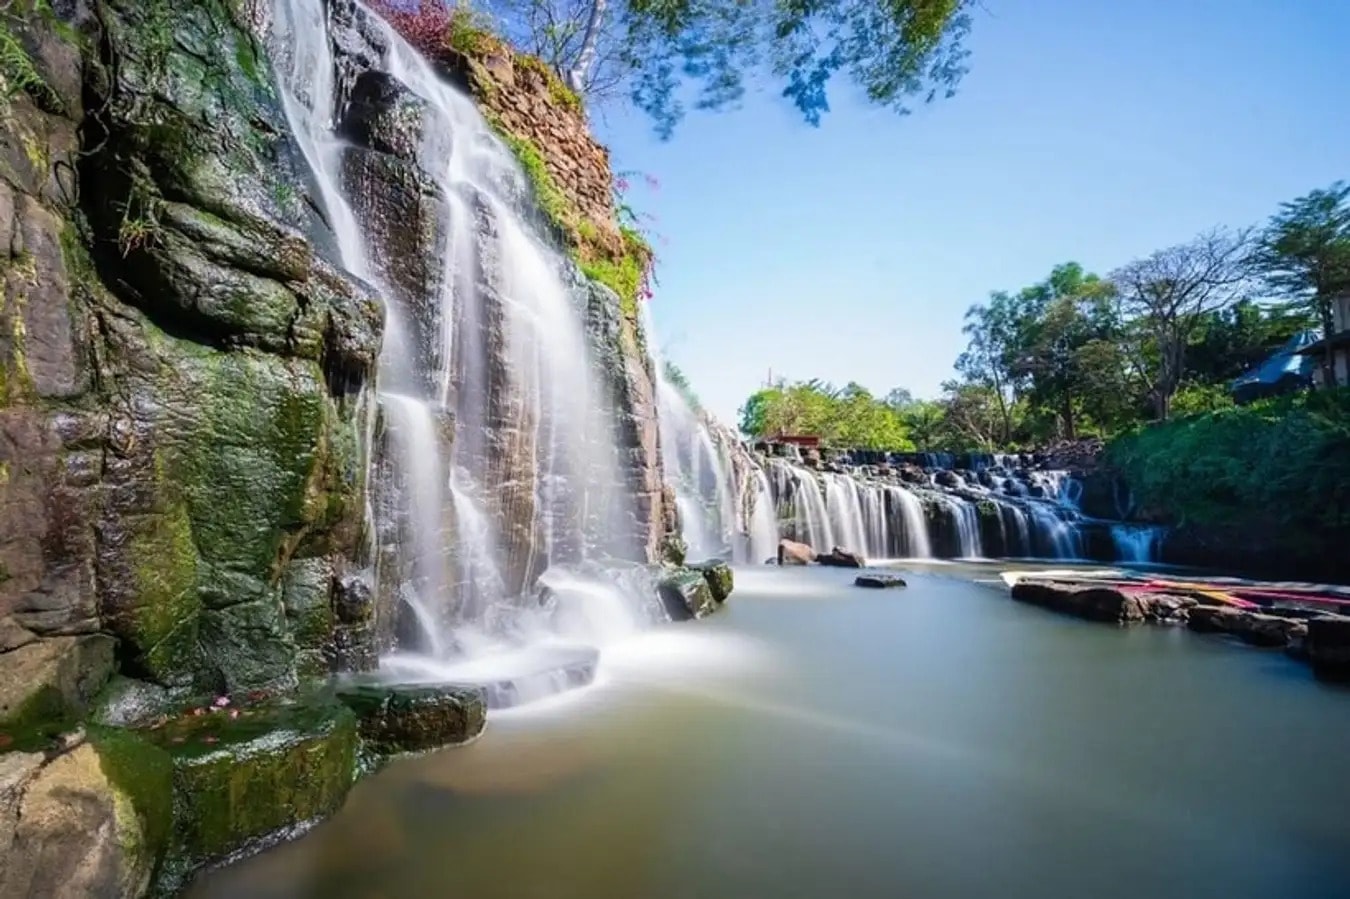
pixel 819 740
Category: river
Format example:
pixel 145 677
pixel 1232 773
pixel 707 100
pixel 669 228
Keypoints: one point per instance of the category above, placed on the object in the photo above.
pixel 817 740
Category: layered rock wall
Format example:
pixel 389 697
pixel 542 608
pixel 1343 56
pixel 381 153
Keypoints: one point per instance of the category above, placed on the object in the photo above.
pixel 182 370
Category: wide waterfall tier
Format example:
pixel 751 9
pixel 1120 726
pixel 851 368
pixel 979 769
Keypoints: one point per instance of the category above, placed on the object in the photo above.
pixel 881 505
pixel 512 441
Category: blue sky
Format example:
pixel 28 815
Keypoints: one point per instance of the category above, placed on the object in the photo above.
pixel 1086 130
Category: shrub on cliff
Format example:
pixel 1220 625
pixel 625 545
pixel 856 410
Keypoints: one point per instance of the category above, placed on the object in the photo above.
pixel 1284 462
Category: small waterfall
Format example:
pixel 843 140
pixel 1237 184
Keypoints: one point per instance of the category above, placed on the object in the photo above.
pixel 909 524
pixel 845 512
pixel 1138 543
pixel 762 517
pixel 802 504
pixel 966 525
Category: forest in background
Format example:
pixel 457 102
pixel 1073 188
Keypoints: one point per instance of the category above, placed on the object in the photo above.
pixel 1079 354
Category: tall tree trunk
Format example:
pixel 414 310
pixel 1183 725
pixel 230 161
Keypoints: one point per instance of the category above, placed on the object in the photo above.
pixel 576 76
pixel 1328 351
pixel 1070 427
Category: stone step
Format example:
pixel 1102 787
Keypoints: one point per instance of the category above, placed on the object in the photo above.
pixel 510 678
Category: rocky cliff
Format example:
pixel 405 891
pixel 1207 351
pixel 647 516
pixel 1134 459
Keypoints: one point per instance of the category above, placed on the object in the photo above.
pixel 188 416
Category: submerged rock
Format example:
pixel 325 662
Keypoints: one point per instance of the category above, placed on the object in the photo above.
pixel 719 577
pixel 879 581
pixel 398 718
pixel 686 594
pixel 841 558
pixel 792 553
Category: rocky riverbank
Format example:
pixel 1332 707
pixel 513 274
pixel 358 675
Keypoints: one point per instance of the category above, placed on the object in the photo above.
pixel 1305 630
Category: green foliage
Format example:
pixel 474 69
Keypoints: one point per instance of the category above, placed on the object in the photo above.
pixel 559 93
pixel 676 378
pixel 18 71
pixel 893 51
pixel 1283 460
pixel 848 417
pixel 1304 255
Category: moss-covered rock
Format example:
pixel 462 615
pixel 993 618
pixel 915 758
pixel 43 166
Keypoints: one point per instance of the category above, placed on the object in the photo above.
pixel 397 718
pixel 247 775
pixel 686 594
pixel 141 777
pixel 719 577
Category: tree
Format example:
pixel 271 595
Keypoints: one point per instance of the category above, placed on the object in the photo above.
pixel 657 50
pixel 924 421
pixel 1165 297
pixel 580 40
pixel 972 415
pixel 987 361
pixel 848 418
pixel 1304 255
pixel 1057 319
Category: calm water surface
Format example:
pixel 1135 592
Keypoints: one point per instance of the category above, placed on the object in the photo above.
pixel 819 740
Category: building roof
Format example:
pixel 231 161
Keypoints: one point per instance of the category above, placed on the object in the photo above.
pixel 1289 363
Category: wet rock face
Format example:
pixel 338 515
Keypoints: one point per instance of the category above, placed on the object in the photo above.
pixel 180 369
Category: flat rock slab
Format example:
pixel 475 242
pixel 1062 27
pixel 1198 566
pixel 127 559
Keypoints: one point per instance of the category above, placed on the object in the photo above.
pixel 398 718
pixel 517 677
pixel 879 581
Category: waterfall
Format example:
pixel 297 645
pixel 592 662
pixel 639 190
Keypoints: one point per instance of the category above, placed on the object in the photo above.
pixel 910 526
pixel 500 470
pixel 845 512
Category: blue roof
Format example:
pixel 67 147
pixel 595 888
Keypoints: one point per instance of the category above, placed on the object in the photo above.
pixel 1285 363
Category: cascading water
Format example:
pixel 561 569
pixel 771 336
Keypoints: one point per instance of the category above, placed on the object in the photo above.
pixel 500 462
pixel 1137 543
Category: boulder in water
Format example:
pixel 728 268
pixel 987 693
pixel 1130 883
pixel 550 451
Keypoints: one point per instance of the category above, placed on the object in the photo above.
pixel 791 552
pixel 1328 647
pixel 879 581
pixel 1255 628
pixel 841 558
pixel 719 577
pixel 686 594
pixel 1093 603
pixel 398 718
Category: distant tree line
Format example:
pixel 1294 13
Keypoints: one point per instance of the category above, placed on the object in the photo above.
pixel 1079 354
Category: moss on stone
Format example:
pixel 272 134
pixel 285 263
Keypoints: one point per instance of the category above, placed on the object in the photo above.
pixel 718 575
pixel 163 558
pixel 400 718
pixel 623 272
pixel 141 775
pixel 246 778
